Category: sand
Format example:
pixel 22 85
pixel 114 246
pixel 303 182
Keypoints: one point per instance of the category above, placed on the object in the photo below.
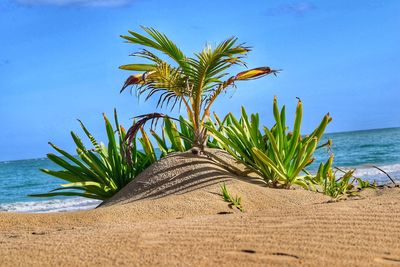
pixel 190 224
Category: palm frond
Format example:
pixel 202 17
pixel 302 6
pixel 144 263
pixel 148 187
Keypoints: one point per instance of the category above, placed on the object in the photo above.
pixel 210 63
pixel 255 73
pixel 136 79
pixel 138 67
pixel 142 120
pixel 146 54
pixel 160 42
pixel 241 76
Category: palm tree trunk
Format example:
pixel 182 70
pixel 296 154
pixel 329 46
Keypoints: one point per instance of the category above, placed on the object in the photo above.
pixel 198 140
pixel 199 137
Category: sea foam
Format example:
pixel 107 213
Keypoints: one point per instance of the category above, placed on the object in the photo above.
pixel 393 169
pixel 55 205
pixel 373 174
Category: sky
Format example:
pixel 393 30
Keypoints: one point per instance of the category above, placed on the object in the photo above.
pixel 59 62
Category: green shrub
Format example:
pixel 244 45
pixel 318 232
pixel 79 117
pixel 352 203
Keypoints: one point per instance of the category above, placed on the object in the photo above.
pixel 327 182
pixel 177 139
pixel 363 184
pixel 174 139
pixel 101 171
pixel 277 155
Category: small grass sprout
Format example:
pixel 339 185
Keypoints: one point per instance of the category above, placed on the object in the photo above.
pixel 233 201
pixel 331 185
pixel 361 183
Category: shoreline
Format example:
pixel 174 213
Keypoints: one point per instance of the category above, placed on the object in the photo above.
pixel 50 205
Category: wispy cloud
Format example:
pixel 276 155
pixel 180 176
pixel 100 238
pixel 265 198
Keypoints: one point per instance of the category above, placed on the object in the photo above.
pixel 86 3
pixel 294 8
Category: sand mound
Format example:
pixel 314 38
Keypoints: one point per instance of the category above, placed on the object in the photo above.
pixel 180 173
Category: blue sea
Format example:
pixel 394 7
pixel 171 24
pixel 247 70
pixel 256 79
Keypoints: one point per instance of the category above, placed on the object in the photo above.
pixel 359 149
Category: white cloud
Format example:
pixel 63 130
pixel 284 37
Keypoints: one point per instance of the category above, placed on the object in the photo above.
pixel 88 3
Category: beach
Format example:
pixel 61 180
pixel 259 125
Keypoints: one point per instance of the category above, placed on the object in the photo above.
pixel 278 228
pixel 262 140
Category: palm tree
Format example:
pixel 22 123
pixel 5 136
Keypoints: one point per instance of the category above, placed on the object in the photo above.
pixel 194 82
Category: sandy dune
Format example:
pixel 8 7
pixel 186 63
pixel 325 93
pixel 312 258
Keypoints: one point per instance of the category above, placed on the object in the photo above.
pixel 192 225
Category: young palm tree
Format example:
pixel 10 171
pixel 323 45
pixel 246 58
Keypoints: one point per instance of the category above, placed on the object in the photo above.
pixel 194 82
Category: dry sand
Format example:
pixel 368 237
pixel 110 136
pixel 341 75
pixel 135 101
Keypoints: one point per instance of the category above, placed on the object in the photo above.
pixel 187 223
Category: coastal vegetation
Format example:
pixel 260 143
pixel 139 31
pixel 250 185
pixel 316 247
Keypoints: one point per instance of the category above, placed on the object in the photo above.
pixel 276 154
pixel 177 136
pixel 101 171
pixel 233 201
pixel 331 185
pixel 279 155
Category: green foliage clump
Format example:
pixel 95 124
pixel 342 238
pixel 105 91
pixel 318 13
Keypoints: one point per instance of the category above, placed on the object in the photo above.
pixel 179 139
pixel 277 155
pixel 101 171
pixel 363 184
pixel 233 201
pixel 333 186
pixel 280 156
pixel 326 181
pixel 176 139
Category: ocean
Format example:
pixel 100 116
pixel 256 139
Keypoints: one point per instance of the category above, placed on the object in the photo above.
pixel 358 149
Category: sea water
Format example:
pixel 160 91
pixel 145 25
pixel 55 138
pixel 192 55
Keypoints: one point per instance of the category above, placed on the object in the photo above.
pixel 359 149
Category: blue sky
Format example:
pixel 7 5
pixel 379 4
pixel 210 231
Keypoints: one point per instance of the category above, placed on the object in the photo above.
pixel 59 61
